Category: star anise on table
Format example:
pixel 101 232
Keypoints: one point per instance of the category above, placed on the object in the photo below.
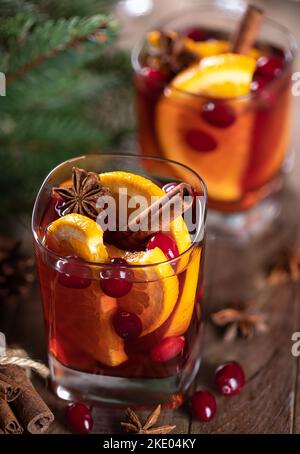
pixel 135 425
pixel 239 322
pixel 286 267
pixel 82 197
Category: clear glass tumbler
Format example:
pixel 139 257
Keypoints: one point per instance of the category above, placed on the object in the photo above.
pixel 241 150
pixel 88 359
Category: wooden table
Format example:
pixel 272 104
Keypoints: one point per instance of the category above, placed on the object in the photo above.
pixel 270 402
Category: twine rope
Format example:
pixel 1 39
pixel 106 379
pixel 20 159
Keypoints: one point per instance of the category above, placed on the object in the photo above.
pixel 19 357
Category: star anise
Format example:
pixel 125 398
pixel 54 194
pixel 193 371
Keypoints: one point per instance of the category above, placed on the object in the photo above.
pixel 82 197
pixel 286 267
pixel 134 424
pixel 168 52
pixel 239 322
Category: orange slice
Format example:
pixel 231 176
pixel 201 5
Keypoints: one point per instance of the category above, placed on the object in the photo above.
pixel 214 47
pixel 138 185
pixel 85 317
pixel 154 294
pixel 77 235
pixel 219 76
pixel 182 316
pixel 179 114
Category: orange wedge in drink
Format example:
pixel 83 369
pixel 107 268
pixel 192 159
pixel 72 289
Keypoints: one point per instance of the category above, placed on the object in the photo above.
pixel 77 235
pixel 219 154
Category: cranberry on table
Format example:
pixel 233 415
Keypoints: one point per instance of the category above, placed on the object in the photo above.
pixel 269 67
pixel 165 243
pixel 218 114
pixel 79 418
pixel 117 280
pixel 229 378
pixel 200 140
pixel 203 405
pixel 127 325
pixel 167 349
pixel 72 275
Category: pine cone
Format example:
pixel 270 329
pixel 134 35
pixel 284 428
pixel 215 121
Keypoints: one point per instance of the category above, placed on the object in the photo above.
pixel 16 271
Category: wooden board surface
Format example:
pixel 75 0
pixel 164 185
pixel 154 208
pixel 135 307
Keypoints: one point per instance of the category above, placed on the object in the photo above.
pixel 270 402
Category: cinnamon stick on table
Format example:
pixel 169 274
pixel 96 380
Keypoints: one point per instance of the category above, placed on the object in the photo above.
pixel 8 390
pixel 248 30
pixel 8 422
pixel 32 412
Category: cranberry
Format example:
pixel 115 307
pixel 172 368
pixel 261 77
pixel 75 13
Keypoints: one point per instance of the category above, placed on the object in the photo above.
pixel 203 405
pixel 200 140
pixel 196 34
pixel 167 349
pixel 258 82
pixel 219 115
pixel 116 281
pixel 127 325
pixel 154 78
pixel 229 378
pixel 169 186
pixel 70 274
pixel 79 418
pixel 165 243
pixel 269 67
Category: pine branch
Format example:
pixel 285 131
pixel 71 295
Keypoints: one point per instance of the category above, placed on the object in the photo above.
pixel 52 38
pixel 69 8
pixel 12 7
pixel 45 129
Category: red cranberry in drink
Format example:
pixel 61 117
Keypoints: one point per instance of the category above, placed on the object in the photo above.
pixel 169 186
pixel 127 325
pixel 79 418
pixel 218 114
pixel 117 280
pixel 167 349
pixel 165 243
pixel 258 82
pixel 203 405
pixel 196 34
pixel 200 140
pixel 269 67
pixel 72 274
pixel 229 378
pixel 154 78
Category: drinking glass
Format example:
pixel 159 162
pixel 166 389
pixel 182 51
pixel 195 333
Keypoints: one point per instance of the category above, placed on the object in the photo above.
pixel 88 359
pixel 240 157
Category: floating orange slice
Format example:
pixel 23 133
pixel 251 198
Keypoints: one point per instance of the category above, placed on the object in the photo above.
pixel 219 76
pixel 77 235
pixel 154 294
pixel 214 47
pixel 180 123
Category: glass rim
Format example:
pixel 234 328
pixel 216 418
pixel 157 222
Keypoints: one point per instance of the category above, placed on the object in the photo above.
pixel 137 48
pixel 82 262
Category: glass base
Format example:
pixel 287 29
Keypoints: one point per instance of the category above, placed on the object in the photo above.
pixel 243 226
pixel 73 385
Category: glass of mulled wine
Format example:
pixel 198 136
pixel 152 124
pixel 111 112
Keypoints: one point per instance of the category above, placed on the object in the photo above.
pixel 123 325
pixel 224 114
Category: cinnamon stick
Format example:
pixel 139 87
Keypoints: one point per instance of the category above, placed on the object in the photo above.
pixel 8 390
pixel 248 30
pixel 163 211
pixel 31 410
pixel 8 422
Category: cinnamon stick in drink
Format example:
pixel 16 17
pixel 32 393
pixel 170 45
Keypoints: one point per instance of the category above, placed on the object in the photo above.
pixel 32 412
pixel 248 30
pixel 8 421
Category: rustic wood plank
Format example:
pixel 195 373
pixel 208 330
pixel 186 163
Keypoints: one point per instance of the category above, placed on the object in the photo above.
pixel 266 403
